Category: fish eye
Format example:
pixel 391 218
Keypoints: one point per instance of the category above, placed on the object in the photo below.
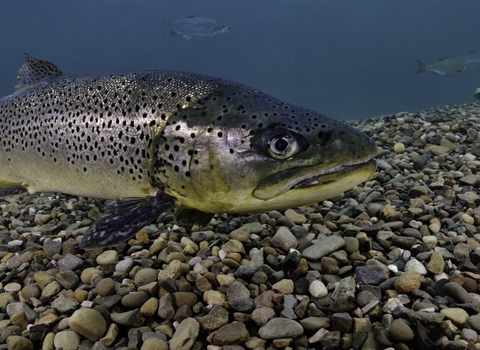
pixel 282 146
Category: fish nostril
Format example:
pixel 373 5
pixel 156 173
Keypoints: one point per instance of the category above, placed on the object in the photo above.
pixel 324 137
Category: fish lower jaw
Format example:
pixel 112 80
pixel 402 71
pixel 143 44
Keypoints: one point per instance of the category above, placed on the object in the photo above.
pixel 313 187
pixel 329 176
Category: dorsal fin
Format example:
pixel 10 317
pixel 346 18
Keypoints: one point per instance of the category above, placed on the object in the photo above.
pixel 33 71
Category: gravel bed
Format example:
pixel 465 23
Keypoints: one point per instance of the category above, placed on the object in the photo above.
pixel 392 263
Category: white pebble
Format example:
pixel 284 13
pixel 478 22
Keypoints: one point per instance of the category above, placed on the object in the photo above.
pixel 87 304
pixel 222 254
pixel 13 287
pixel 414 264
pixel 124 266
pixel 317 289
pixel 393 268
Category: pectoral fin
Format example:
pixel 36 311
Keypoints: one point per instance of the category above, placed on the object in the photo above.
pixel 11 188
pixel 124 218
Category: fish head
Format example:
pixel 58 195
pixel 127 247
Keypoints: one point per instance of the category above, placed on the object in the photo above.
pixel 219 28
pixel 239 150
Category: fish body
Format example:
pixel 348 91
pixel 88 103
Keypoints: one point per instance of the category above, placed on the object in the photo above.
pixel 450 65
pixel 156 139
pixel 191 26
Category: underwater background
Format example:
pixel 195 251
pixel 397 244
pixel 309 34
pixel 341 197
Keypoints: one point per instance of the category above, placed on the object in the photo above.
pixel 348 59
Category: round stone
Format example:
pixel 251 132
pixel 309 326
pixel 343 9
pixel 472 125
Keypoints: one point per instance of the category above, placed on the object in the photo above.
pixel 107 257
pixel 66 340
pixel 12 287
pixel 232 333
pixel 134 300
pixel 87 274
pixel 155 344
pixel 262 315
pixel 88 323
pixel 284 286
pixel 105 287
pixel 400 331
pixel 407 282
pixel 16 342
pixel 458 316
pixel 317 289
pixel 284 239
pixel 280 328
pixel 399 147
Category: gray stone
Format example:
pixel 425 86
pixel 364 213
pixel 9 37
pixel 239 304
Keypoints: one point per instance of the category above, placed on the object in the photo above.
pixel 262 315
pixel 457 292
pixel 67 279
pixel 237 291
pixel 231 334
pixel 185 334
pixel 165 307
pixel 400 331
pixel 284 239
pixel 131 318
pixel 323 247
pixel 373 275
pixel 69 262
pixel 216 318
pixel 15 307
pixel 280 328
pixel 65 305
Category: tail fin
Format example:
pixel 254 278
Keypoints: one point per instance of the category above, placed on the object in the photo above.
pixel 423 67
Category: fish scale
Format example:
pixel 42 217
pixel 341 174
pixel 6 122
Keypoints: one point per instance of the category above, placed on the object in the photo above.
pixel 154 140
pixel 87 127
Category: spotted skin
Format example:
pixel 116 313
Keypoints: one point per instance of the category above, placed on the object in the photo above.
pixel 153 140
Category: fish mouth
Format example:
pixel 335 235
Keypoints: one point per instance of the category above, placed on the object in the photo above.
pixel 308 185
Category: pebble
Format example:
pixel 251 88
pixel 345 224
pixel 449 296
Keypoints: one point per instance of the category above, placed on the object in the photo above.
pixel 317 289
pixel 323 247
pixel 232 333
pixel 280 328
pixel 67 340
pixel 408 281
pixel 400 331
pixel 458 316
pixel 185 334
pixel 284 239
pixel 216 318
pixel 15 342
pixel 88 323
pixel 107 257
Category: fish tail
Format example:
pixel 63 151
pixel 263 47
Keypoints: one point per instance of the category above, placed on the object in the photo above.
pixel 422 67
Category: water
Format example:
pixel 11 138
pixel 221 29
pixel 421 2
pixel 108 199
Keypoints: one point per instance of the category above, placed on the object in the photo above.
pixel 348 59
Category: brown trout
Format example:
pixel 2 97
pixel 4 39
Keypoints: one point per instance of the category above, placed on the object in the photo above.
pixel 155 140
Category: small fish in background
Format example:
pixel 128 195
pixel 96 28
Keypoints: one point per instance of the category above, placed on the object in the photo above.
pixel 450 65
pixel 477 93
pixel 191 26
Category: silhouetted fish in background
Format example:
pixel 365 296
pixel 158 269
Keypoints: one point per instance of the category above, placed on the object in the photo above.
pixel 451 65
pixel 194 26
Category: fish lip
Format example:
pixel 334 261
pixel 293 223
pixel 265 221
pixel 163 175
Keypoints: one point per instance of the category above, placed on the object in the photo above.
pixel 313 180
pixel 272 187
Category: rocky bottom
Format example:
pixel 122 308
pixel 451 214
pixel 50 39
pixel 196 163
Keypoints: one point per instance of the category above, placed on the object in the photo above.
pixel 392 263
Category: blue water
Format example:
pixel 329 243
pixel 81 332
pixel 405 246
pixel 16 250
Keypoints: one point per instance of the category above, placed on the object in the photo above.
pixel 348 59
